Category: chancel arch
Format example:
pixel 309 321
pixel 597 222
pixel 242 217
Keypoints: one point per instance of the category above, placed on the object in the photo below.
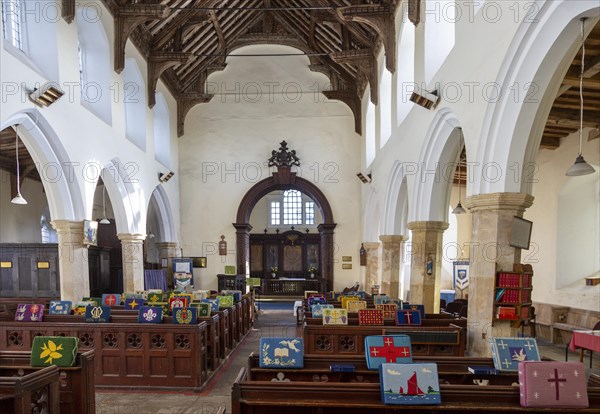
pixel 285 179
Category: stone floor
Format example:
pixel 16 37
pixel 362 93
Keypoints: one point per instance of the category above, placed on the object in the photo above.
pixel 217 393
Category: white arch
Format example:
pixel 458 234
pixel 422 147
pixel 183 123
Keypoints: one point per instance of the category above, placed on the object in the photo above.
pixel 166 226
pixel 538 54
pixel 371 218
pixel 60 181
pixel 395 213
pixel 437 162
pixel 126 198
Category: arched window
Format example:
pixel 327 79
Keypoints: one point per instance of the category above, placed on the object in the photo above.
pixel 94 64
pixel 370 132
pixel 385 106
pixel 291 208
pixel 440 19
pixel 134 97
pixel 405 74
pixel 35 44
pixel 162 135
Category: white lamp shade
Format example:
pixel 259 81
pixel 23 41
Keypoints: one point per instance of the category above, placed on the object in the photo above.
pixel 105 221
pixel 18 199
pixel 459 209
pixel 580 168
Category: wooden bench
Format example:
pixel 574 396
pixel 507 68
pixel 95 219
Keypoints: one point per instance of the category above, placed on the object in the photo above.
pixel 350 340
pixel 76 383
pixel 451 370
pixel 353 321
pixel 129 355
pixel 36 392
pixel 274 397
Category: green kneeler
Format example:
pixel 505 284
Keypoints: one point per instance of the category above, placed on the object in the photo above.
pixel 53 350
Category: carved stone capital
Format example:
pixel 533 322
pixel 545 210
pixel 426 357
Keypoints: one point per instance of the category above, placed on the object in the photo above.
pixel 392 239
pixel 438 226
pixel 499 201
pixel 131 238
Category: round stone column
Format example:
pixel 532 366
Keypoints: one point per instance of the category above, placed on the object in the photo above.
pixel 493 215
pixel 426 263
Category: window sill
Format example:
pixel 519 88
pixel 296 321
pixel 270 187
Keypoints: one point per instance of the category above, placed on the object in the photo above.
pixel 21 56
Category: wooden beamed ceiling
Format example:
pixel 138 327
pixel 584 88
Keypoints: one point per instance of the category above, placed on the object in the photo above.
pixel 184 41
pixel 564 115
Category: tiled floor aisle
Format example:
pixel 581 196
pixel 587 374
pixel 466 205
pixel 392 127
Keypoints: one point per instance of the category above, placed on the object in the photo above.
pixel 218 392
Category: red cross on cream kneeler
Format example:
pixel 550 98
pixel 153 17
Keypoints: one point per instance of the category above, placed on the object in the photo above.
pixel 389 351
pixel 110 300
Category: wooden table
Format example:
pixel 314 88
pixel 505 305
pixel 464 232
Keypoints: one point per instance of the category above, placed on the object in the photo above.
pixel 585 340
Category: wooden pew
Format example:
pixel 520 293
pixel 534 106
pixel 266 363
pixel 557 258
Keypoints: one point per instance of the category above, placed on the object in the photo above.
pixel 274 397
pixel 128 355
pixel 36 392
pixel 353 321
pixel 76 383
pixel 451 370
pixel 350 340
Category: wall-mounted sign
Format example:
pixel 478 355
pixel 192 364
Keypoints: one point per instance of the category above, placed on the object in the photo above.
pixel 43 265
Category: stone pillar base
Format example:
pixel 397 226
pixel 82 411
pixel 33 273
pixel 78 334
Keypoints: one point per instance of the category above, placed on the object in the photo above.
pixel 372 268
pixel 426 263
pixel 391 254
pixel 133 261
pixel 73 260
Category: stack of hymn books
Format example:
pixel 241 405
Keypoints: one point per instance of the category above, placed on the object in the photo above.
pixel 509 280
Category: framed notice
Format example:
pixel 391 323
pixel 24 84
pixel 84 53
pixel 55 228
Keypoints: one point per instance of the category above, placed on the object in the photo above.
pixel 199 261
pixel 521 233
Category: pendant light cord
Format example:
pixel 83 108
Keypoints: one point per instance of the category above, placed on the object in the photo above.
pixel 18 168
pixel 459 156
pixel 103 201
pixel 581 86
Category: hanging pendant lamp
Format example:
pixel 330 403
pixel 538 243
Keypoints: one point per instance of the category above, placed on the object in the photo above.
pixel 459 209
pixel 580 167
pixel 104 219
pixel 18 199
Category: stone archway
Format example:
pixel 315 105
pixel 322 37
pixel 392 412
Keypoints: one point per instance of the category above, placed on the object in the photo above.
pixel 285 179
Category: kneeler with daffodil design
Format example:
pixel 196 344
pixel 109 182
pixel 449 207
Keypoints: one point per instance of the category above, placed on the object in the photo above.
pixel 53 350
